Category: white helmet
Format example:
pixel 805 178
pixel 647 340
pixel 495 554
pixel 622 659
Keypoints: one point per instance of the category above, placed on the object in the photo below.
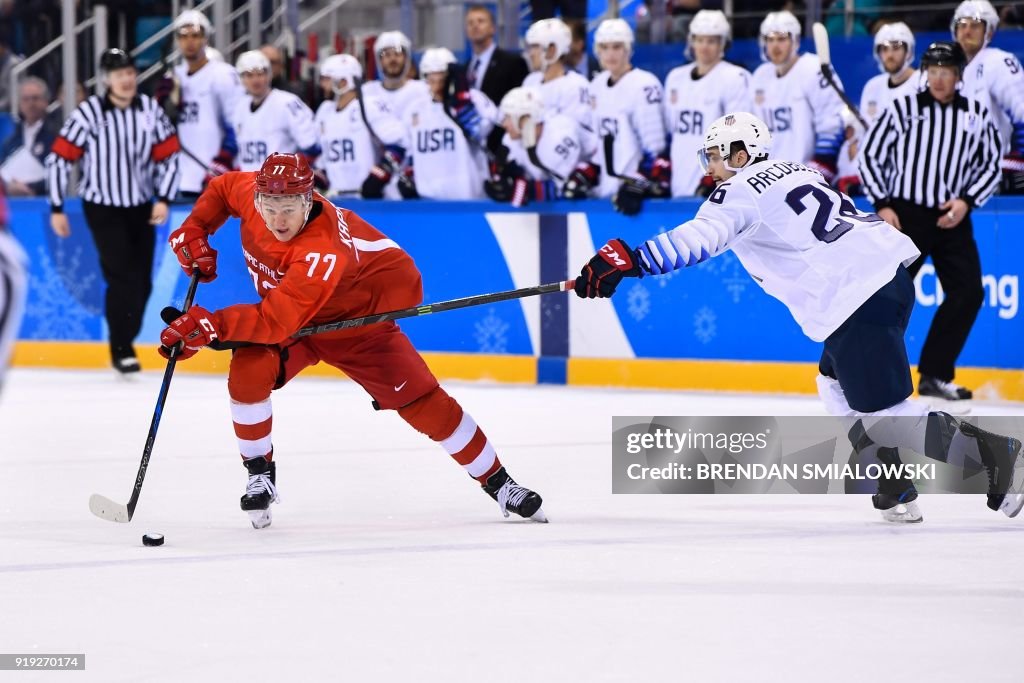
pixel 253 60
pixel 978 10
pixel 550 32
pixel 194 19
pixel 779 22
pixel 213 54
pixel 895 33
pixel 435 60
pixel 395 40
pixel 709 22
pixel 520 103
pixel 613 31
pixel 341 68
pixel 738 127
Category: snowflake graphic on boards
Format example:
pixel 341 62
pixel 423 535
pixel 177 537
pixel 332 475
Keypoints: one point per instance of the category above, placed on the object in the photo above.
pixel 704 325
pixel 491 333
pixel 638 301
pixel 55 314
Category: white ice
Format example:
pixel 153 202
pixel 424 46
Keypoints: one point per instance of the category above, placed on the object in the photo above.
pixel 386 563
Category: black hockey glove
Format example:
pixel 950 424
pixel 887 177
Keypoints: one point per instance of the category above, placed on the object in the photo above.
pixel 605 270
pixel 630 197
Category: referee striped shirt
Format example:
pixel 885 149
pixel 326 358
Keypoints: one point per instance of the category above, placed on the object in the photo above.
pixel 128 156
pixel 925 152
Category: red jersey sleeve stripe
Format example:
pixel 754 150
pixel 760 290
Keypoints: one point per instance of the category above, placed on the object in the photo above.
pixel 165 148
pixel 66 149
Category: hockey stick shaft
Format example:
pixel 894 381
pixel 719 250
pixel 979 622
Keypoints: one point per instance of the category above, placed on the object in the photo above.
pixel 105 508
pixel 439 307
pixel 821 46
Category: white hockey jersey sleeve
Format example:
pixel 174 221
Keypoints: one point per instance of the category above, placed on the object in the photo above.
pixel 1007 91
pixel 648 119
pixel 715 228
pixel 488 113
pixel 302 127
pixel 386 126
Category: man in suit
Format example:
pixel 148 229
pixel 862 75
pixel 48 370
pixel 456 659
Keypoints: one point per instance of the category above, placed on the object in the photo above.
pixel 23 154
pixel 490 69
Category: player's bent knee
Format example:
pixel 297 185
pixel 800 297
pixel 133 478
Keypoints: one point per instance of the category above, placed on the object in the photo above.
pixel 253 374
pixel 435 414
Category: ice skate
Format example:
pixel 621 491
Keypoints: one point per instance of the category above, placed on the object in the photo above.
pixel 512 497
pixel 999 454
pixel 896 496
pixel 127 368
pixel 946 396
pixel 260 491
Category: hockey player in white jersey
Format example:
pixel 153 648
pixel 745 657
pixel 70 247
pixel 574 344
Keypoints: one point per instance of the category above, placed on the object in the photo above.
pixel 448 131
pixel 995 78
pixel 842 275
pixel 894 52
pixel 396 87
pixel 698 93
pixel 207 93
pixel 362 144
pixel 563 90
pixel 791 95
pixel 542 150
pixel 630 125
pixel 269 120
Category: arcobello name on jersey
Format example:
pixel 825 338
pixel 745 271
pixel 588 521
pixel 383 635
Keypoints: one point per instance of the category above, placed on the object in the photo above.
pixel 759 182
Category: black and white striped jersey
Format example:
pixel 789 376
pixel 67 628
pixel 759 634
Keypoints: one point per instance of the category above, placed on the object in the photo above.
pixel 128 156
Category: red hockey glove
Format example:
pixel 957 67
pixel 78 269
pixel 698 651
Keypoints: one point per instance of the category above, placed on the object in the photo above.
pixel 191 246
pixel 221 164
pixel 193 329
pixel 605 270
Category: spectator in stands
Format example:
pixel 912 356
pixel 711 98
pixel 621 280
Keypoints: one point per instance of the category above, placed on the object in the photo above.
pixel 279 76
pixel 7 62
pixel 23 154
pixel 56 117
pixel 567 9
pixel 579 59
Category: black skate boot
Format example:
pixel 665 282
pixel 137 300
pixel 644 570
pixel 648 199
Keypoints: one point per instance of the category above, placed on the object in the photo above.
pixel 512 497
pixel 260 492
pixel 896 495
pixel 999 455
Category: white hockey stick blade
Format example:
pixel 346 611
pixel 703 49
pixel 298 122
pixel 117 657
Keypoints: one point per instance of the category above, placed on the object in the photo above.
pixel 821 42
pixel 104 508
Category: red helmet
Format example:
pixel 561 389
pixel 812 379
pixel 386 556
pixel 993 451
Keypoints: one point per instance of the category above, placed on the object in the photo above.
pixel 285 174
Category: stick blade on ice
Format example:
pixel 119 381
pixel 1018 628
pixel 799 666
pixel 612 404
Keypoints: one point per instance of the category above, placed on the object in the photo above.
pixel 821 42
pixel 104 508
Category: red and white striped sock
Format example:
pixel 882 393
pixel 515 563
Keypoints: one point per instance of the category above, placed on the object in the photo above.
pixel 253 422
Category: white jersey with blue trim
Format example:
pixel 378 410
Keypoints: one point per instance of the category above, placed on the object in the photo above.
pixel 692 103
pixel 348 150
pixel 205 126
pixel 801 109
pixel 398 99
pixel 281 123
pixel 995 79
pixel 802 241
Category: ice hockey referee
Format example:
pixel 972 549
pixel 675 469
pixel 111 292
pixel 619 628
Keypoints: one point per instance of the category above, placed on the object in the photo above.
pixel 927 162
pixel 128 151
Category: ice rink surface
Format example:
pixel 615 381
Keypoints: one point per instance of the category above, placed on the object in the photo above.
pixel 386 563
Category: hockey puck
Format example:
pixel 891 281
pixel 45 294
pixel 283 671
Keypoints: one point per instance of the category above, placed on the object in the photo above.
pixel 152 539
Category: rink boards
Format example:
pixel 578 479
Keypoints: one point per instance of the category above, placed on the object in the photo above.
pixel 707 327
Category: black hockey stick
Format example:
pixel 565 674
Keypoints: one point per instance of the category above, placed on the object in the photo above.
pixel 535 160
pixel 609 158
pixel 824 56
pixel 439 307
pixel 103 507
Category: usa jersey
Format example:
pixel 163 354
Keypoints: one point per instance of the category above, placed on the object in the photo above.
pixel 630 113
pixel 281 123
pixel 205 125
pixel 559 148
pixel 347 148
pixel 568 94
pixel 691 103
pixel 801 109
pixel 802 241
pixel 398 100
pixel 445 163
pixel 995 79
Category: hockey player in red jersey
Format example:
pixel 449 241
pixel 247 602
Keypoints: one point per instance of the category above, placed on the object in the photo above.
pixel 312 263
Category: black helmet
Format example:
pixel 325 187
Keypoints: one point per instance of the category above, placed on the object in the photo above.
pixel 944 53
pixel 115 58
